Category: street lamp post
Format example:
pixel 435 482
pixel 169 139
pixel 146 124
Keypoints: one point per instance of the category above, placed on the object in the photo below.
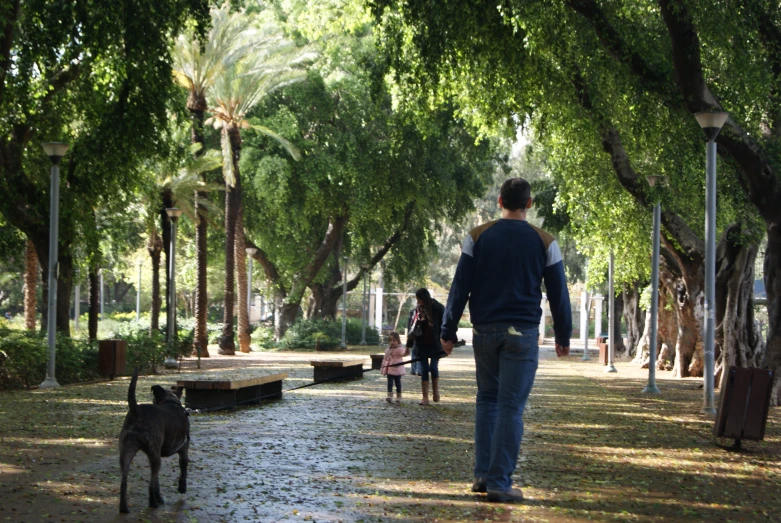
pixel 651 387
pixel 250 253
pixel 102 293
pixel 343 345
pixel 711 123
pixel 76 307
pixel 55 151
pixel 611 310
pixel 170 361
pixel 363 303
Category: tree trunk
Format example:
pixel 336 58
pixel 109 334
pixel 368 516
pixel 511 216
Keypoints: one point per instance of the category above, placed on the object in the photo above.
pixel 643 344
pixel 737 339
pixel 154 247
pixel 284 316
pixel 30 285
pixel 94 304
pixel 619 347
pixel 44 296
pixel 165 229
pixel 232 203
pixel 772 269
pixel 634 317
pixel 688 348
pixel 64 290
pixel 64 283
pixel 668 319
pixel 201 337
pixel 241 282
pixel 325 295
pixel 197 105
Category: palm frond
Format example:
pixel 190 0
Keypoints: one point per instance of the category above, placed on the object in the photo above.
pixel 197 64
pixel 271 62
pixel 291 149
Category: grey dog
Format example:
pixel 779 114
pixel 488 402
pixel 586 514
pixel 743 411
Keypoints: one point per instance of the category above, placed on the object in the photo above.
pixel 158 430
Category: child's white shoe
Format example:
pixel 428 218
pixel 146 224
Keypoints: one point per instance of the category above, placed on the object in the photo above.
pixel 389 398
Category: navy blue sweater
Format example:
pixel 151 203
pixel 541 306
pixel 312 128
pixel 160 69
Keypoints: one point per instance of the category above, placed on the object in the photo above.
pixel 502 266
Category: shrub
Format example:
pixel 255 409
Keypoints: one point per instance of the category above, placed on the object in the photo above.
pixel 126 316
pixel 464 324
pixel 24 356
pixel 304 334
pixel 263 335
pixel 144 350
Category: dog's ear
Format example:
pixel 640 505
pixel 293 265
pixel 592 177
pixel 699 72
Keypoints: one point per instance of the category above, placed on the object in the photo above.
pixel 177 390
pixel 159 394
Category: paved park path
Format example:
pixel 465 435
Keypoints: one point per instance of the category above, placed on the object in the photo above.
pixel 595 449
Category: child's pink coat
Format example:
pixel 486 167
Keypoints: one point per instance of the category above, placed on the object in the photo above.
pixel 393 355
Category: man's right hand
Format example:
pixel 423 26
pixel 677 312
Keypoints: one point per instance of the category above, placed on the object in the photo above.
pixel 562 351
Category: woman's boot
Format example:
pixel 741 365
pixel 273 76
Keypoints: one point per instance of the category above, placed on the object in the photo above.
pixel 398 397
pixel 435 389
pixel 424 388
pixel 389 398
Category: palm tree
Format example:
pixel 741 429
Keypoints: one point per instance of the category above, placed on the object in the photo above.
pixel 196 64
pixel 270 63
pixel 175 185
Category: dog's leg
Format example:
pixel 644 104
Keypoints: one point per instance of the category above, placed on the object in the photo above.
pixel 183 460
pixel 155 499
pixel 126 455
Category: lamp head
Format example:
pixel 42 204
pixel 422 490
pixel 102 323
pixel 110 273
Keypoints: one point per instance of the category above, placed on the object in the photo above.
pixel 55 151
pixel 711 123
pixel 251 251
pixel 173 213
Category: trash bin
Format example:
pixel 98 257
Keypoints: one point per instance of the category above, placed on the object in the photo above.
pixel 112 355
pixel 745 400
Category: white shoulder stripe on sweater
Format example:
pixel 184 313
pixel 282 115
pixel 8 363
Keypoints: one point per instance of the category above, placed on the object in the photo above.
pixel 468 247
pixel 554 254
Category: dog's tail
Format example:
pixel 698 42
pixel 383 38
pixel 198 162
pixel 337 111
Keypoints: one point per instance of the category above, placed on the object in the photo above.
pixel 131 395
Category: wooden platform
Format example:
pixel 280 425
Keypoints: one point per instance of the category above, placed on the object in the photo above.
pixel 333 370
pixel 226 393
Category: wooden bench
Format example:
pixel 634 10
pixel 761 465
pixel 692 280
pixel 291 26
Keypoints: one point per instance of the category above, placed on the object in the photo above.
pixel 337 369
pixel 377 360
pixel 201 393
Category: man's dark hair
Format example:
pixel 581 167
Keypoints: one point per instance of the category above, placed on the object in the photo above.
pixel 515 193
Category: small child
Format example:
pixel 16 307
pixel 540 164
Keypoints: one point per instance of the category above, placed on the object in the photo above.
pixel 394 354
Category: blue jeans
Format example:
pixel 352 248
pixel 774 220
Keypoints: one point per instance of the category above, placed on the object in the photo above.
pixel 506 362
pixel 415 365
pixel 394 380
pixel 426 367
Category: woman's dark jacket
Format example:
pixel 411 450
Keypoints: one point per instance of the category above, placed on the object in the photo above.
pixel 428 351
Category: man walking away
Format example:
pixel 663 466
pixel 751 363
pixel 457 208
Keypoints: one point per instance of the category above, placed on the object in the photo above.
pixel 503 264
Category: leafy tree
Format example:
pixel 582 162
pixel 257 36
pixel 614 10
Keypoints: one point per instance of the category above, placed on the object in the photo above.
pixel 98 76
pixel 373 178
pixel 12 264
pixel 610 89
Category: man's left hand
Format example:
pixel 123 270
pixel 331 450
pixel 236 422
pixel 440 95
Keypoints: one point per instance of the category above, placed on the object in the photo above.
pixel 447 346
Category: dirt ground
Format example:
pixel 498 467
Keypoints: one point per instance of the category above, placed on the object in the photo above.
pixel 595 449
